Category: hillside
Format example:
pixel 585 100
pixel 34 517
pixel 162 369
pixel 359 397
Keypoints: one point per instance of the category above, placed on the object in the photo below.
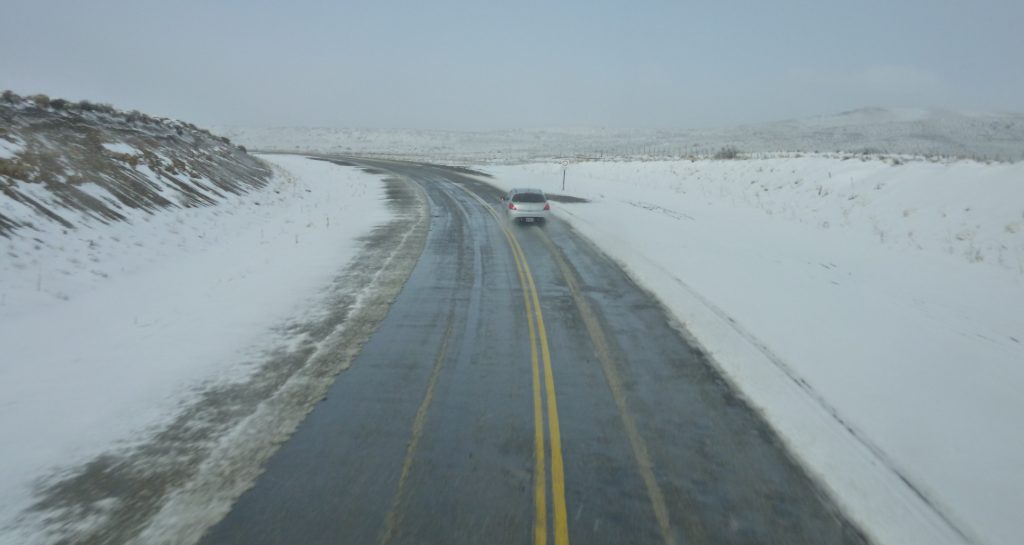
pixel 62 163
pixel 982 136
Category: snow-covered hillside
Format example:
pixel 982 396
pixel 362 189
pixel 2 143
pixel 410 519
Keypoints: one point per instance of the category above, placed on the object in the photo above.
pixel 64 163
pixel 985 136
pixel 871 310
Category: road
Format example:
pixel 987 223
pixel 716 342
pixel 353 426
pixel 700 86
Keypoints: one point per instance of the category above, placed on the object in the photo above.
pixel 522 389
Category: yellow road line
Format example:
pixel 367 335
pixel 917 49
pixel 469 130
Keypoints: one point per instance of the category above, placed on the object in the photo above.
pixel 532 299
pixel 392 519
pixel 540 531
pixel 693 527
pixel 554 430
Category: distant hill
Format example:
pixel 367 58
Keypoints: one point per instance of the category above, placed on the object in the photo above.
pixel 66 161
pixel 995 136
pixel 983 136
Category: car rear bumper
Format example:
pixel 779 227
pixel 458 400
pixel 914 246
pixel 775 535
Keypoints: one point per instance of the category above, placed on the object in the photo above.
pixel 528 215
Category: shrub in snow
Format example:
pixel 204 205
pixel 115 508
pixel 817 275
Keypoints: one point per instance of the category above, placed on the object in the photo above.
pixel 87 106
pixel 728 152
pixel 13 169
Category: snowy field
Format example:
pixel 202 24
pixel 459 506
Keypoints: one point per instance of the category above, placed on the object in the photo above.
pixel 110 329
pixel 906 131
pixel 873 312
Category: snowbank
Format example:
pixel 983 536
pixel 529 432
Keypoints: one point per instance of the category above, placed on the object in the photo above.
pixel 109 329
pixel 871 310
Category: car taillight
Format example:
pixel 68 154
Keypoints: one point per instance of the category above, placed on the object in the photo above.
pixel 512 206
pixel 547 206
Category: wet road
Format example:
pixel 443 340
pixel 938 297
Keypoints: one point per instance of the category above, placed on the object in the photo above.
pixel 523 390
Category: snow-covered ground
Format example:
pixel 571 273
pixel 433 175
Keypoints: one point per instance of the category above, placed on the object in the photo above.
pixel 929 132
pixel 108 330
pixel 873 312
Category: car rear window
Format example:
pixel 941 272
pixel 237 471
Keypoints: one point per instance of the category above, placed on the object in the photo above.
pixel 528 197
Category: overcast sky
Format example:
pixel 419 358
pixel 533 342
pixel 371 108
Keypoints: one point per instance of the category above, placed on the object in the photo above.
pixel 451 64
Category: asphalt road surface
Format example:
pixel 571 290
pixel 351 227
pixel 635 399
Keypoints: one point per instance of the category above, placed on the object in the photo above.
pixel 523 390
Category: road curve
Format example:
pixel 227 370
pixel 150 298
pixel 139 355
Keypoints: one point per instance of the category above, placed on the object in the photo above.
pixel 523 390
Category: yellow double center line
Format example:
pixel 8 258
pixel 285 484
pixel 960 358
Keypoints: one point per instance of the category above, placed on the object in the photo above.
pixel 531 299
pixel 539 338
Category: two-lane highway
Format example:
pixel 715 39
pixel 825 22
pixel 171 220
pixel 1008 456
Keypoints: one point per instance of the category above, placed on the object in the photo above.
pixel 523 390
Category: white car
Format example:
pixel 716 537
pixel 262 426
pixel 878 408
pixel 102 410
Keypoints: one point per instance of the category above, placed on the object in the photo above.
pixel 526 205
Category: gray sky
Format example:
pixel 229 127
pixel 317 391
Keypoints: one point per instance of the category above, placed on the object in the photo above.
pixel 482 64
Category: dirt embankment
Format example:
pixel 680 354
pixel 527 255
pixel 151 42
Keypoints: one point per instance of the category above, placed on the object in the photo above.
pixel 65 162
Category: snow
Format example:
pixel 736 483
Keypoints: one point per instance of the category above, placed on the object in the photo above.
pixel 931 132
pixel 870 310
pixel 108 329
pixel 121 147
pixel 9 149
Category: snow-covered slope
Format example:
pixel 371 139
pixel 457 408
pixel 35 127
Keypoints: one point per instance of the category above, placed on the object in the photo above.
pixel 63 163
pixel 871 310
pixel 986 136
